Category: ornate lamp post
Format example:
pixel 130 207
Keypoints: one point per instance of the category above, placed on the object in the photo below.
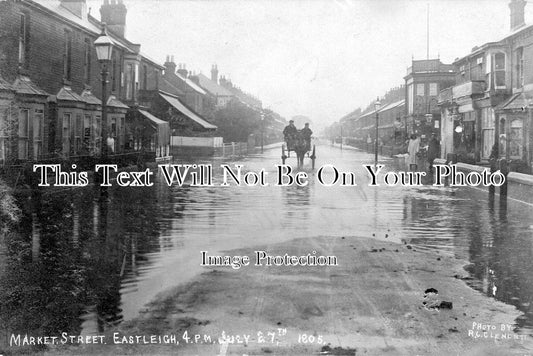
pixel 377 106
pixel 262 130
pixel 104 50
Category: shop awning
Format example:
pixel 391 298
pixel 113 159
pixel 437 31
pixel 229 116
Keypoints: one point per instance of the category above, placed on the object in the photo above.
pixel 187 112
pixel 162 128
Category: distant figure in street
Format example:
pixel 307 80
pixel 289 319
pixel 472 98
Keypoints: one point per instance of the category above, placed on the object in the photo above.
pixel 412 150
pixel 290 131
pixel 433 150
pixel 306 133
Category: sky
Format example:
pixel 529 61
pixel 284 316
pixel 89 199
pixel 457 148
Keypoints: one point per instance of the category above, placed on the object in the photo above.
pixel 318 58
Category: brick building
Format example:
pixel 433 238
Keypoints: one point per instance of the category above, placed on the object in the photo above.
pixel 489 109
pixel 50 96
pixel 424 80
pixel 189 91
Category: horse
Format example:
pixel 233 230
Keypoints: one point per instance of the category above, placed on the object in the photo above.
pixel 300 145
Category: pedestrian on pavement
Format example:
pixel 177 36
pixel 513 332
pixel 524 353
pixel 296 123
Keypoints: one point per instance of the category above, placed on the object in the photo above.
pixel 412 150
pixel 433 150
pixel 110 143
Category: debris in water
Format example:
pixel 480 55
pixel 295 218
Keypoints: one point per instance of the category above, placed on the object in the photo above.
pixel 327 350
pixel 445 305
pixel 431 290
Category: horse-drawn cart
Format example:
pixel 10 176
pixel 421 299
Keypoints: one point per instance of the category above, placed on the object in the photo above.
pixel 301 146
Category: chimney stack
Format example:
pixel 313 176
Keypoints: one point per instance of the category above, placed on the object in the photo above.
pixel 114 15
pixel 170 66
pixel 77 7
pixel 183 70
pixel 194 77
pixel 517 13
pixel 214 73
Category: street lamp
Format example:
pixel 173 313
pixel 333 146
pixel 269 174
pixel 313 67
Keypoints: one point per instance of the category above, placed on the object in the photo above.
pixel 104 50
pixel 262 129
pixel 377 106
pixel 341 136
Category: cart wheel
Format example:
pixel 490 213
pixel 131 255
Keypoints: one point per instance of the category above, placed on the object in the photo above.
pixel 313 157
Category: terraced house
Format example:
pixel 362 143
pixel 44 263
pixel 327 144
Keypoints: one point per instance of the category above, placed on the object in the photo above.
pixel 50 84
pixel 488 112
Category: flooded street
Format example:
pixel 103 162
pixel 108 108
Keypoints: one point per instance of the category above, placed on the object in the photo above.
pixel 79 265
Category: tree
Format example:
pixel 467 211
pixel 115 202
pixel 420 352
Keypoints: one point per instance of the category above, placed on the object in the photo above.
pixel 237 121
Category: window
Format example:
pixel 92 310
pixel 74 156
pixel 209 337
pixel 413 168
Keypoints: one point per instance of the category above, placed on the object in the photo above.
pixel 129 81
pixel 487 132
pixel 67 56
pixel 520 67
pixel 499 70
pixel 122 132
pixel 4 114
pixel 136 77
pixel 145 77
pixel 502 145
pixel 114 74
pixel 87 61
pixel 516 147
pixel 410 98
pixel 433 89
pixel 113 133
pixel 22 40
pixel 38 120
pixel 23 133
pixel 67 118
pixel 87 133
pixel 420 89
pixel 97 127
pixel 78 133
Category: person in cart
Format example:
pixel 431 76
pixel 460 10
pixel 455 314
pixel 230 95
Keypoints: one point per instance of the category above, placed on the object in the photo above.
pixel 306 133
pixel 290 132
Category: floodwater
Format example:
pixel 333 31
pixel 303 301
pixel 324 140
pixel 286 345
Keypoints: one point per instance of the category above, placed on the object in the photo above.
pixel 79 265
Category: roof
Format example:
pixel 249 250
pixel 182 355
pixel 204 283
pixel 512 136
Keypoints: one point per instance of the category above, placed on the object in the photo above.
pixel 162 127
pixel 367 114
pixel 392 105
pixel 167 86
pixel 114 102
pixel 518 101
pixel 4 85
pixel 152 118
pixel 213 87
pixel 89 98
pixel 478 49
pixel 67 94
pixel 24 85
pixel 87 23
pixel 177 104
pixel 192 84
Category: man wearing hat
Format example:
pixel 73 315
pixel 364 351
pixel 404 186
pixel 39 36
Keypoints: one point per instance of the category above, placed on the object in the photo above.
pixel 290 131
pixel 306 133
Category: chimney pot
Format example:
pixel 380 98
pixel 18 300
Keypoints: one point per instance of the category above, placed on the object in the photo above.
pixel 114 14
pixel 517 13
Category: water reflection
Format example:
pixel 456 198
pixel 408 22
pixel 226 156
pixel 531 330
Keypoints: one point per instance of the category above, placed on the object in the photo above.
pixel 80 266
